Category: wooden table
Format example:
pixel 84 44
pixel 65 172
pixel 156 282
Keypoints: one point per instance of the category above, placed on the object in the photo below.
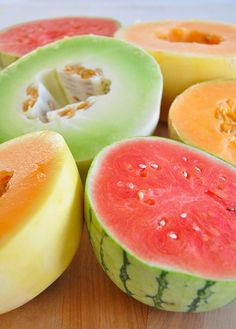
pixel 85 298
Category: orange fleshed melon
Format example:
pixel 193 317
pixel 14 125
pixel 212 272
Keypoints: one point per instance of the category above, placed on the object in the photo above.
pixel 188 52
pixel 40 215
pixel 204 115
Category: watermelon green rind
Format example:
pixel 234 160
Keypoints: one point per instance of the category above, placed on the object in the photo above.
pixel 161 287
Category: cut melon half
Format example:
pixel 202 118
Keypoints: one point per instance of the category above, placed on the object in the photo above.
pixel 205 116
pixel 20 39
pixel 161 218
pixel 40 215
pixel 188 52
pixel 93 90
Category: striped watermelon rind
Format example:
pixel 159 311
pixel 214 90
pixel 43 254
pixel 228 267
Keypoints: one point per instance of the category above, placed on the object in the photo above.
pixel 158 287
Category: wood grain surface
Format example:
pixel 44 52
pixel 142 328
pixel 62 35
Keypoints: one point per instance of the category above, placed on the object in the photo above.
pixel 85 298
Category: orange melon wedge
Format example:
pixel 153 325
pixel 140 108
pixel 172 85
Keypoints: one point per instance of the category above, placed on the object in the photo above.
pixel 40 215
pixel 204 115
pixel 188 52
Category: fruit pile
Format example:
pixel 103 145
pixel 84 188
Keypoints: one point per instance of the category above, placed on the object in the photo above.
pixel 160 214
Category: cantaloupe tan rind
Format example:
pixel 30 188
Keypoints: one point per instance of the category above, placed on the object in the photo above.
pixel 185 62
pixel 204 115
pixel 36 251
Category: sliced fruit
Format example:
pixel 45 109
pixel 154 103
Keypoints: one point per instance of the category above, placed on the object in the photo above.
pixel 162 221
pixel 23 38
pixel 40 215
pixel 188 52
pixel 93 90
pixel 205 116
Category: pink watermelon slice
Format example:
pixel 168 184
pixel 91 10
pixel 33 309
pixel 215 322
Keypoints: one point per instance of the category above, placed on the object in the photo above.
pixel 162 221
pixel 21 39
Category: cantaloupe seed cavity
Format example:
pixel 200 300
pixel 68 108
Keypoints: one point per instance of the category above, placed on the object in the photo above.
pixel 184 35
pixel 5 177
pixel 62 93
pixel 226 114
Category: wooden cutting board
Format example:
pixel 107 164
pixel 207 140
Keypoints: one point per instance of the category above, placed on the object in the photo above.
pixel 85 298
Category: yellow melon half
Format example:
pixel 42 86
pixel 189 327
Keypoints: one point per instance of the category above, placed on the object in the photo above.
pixel 204 115
pixel 188 52
pixel 40 215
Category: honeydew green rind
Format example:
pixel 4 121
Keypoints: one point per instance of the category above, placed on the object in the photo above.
pixel 154 285
pixel 40 251
pixel 136 80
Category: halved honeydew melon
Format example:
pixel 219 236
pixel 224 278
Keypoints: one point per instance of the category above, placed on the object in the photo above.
pixel 188 52
pixel 204 115
pixel 40 215
pixel 93 90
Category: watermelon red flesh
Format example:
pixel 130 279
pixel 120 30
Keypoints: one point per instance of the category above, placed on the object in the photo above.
pixel 23 38
pixel 180 215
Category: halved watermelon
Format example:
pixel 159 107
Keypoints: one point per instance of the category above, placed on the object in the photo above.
pixel 40 215
pixel 162 221
pixel 18 40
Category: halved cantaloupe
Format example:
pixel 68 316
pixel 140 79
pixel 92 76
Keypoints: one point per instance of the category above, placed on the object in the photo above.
pixel 204 115
pixel 40 215
pixel 188 52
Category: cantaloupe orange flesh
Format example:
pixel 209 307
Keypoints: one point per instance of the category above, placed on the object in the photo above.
pixel 27 167
pixel 205 116
pixel 183 37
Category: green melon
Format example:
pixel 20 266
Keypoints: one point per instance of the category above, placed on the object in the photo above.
pixel 93 90
pixel 161 218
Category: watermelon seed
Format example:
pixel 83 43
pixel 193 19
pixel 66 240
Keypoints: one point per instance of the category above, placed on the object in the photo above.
pixel 196 228
pixel 142 166
pixel 223 178
pixel 154 166
pixel 198 169
pixel 162 223
pixel 173 235
pixel 140 195
pixel 185 174
pixel 184 158
pixel 231 208
pixel 183 215
pixel 130 185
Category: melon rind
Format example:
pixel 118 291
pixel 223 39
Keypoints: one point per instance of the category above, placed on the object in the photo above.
pixel 38 252
pixel 152 285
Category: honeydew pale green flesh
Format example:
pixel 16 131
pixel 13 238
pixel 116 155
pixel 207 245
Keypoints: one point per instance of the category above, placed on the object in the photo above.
pixel 130 108
pixel 40 215
pixel 161 220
